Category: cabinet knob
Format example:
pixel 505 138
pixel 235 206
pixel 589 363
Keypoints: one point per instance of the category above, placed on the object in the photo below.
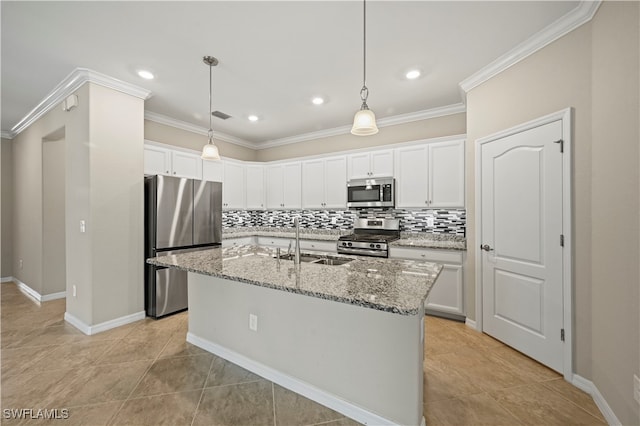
pixel 167 171
pixel 174 173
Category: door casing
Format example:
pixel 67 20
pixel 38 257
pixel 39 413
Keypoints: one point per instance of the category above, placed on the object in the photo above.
pixel 567 277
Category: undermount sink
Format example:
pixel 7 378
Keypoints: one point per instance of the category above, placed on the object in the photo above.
pixel 319 259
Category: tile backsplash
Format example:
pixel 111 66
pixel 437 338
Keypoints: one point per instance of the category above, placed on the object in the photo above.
pixel 433 221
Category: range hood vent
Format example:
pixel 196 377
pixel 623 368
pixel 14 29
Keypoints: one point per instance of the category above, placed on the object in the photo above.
pixel 221 115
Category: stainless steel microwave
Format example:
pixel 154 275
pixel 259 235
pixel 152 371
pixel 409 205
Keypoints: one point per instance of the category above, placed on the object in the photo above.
pixel 374 192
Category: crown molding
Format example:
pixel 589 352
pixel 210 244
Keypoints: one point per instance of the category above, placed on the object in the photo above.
pixel 582 14
pixel 193 128
pixel 6 134
pixel 383 122
pixel 68 86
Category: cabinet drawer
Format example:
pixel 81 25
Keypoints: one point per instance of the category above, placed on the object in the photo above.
pixel 230 242
pixel 327 246
pixel 431 255
pixel 275 242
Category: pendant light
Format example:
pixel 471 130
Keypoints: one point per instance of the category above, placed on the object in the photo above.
pixel 210 150
pixel 364 123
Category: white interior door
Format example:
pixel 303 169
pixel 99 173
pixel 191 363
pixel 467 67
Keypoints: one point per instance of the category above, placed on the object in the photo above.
pixel 522 270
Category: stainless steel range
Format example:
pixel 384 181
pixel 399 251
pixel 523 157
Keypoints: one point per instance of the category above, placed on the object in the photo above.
pixel 371 237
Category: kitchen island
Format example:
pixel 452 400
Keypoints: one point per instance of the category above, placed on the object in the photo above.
pixel 349 337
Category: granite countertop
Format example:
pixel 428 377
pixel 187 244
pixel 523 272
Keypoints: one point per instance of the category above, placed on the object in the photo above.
pixel 407 239
pixel 391 285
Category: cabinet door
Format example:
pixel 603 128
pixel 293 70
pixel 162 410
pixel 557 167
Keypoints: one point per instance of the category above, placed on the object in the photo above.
pixel 313 183
pixel 446 174
pixel 358 165
pixel 157 161
pixel 233 186
pixel 273 183
pixel 213 171
pixel 381 163
pixel 255 187
pixel 292 186
pixel 447 292
pixel 186 165
pixel 335 183
pixel 411 177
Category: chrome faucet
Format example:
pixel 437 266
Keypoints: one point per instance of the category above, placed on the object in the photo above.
pixel 296 223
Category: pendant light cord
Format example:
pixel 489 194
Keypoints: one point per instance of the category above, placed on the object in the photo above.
pixel 364 92
pixel 210 132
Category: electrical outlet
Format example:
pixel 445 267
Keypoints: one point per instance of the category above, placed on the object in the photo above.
pixel 20 262
pixel 83 226
pixel 74 291
pixel 253 322
pixel 430 222
pixel 334 220
pixel 636 388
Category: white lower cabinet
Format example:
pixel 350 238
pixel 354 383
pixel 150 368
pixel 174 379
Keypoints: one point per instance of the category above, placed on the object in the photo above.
pixel 447 294
pixel 315 245
pixel 275 242
pixel 241 241
pixel 307 245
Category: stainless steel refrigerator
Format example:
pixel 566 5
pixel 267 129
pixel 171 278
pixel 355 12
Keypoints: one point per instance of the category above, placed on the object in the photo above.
pixel 181 215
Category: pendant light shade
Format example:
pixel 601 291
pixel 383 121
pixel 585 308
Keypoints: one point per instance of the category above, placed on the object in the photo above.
pixel 364 123
pixel 210 150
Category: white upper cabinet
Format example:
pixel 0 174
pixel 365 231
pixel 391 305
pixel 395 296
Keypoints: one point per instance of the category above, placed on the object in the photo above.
pixel 157 161
pixel 446 174
pixel 324 183
pixel 162 161
pixel 186 165
pixel 370 164
pixel 283 184
pixel 213 170
pixel 233 187
pixel 430 175
pixel 254 181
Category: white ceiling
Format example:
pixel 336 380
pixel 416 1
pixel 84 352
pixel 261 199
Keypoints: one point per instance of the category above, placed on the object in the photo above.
pixel 274 56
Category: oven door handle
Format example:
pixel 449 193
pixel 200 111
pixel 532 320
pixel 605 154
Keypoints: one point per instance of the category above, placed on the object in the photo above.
pixel 366 252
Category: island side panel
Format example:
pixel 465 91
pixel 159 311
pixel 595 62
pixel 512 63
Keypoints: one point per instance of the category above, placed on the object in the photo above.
pixel 370 358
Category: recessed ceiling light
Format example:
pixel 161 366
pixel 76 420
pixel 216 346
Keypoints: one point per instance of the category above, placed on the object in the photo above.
pixel 413 74
pixel 147 75
pixel 253 118
pixel 317 100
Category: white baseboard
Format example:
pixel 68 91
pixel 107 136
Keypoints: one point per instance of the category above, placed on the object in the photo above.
pixel 37 297
pixel 6 280
pixel 103 326
pixel 471 324
pixel 589 387
pixel 53 296
pixel 305 389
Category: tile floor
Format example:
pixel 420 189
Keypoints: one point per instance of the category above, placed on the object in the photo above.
pixel 146 374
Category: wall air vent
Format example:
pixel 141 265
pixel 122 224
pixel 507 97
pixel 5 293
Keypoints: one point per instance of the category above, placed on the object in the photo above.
pixel 221 115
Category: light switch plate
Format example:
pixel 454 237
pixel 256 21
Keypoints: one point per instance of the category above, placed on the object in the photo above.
pixel 636 388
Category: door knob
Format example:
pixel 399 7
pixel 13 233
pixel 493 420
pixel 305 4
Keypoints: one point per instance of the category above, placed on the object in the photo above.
pixel 486 247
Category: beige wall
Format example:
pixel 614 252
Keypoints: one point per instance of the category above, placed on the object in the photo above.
pixel 104 138
pixel 6 208
pixel 554 78
pixel 431 128
pixel 594 70
pixel 53 217
pixel 615 238
pixel 172 136
pixel 117 203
